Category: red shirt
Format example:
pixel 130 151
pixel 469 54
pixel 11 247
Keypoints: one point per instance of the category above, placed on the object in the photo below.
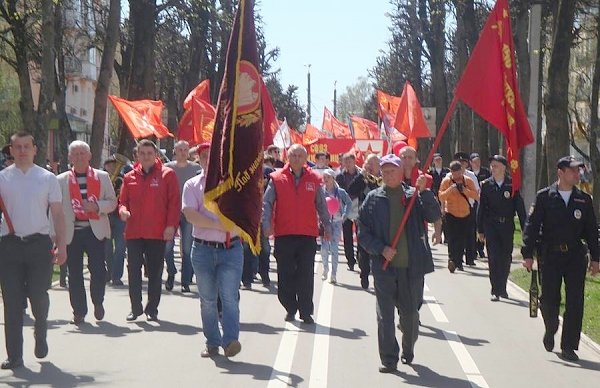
pixel 153 200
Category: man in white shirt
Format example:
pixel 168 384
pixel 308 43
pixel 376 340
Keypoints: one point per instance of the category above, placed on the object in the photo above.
pixel 27 191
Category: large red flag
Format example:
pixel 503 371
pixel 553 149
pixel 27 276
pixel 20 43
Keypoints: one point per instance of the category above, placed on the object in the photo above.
pixel 409 118
pixel 197 123
pixel 489 86
pixel 202 92
pixel 311 134
pixel 364 129
pixel 334 126
pixel 142 117
pixel 234 185
pixel 270 122
pixel 387 106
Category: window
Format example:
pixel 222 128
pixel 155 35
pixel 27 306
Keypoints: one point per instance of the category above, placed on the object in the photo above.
pixel 82 112
pixel 75 88
pixel 73 111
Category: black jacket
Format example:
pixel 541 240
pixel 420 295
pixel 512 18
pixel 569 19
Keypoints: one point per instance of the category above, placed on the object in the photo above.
pixel 374 229
pixel 497 202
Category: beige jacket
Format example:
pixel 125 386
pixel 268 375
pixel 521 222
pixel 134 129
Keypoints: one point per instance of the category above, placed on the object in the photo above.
pixel 107 203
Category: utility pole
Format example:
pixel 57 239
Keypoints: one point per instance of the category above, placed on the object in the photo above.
pixel 334 98
pixel 308 90
pixel 530 152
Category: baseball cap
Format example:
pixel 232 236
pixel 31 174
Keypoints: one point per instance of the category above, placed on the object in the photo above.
pixel 499 158
pixel 569 161
pixel 474 155
pixel 437 155
pixel 462 156
pixel 391 159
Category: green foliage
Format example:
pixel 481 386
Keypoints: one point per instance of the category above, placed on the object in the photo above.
pixel 10 116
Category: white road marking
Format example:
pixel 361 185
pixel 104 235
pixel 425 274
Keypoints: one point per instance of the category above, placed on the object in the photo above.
pixel 320 359
pixel 436 310
pixel 280 376
pixel 464 358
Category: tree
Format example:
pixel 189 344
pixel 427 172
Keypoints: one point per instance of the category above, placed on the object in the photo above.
pixel 355 99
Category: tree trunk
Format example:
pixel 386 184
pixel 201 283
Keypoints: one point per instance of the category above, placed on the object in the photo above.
pixel 465 20
pixel 47 80
pixel 104 81
pixel 595 124
pixel 141 80
pixel 556 97
pixel 521 33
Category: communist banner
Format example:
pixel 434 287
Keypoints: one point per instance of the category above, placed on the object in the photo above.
pixel 201 92
pixel 197 123
pixel 270 122
pixel 364 129
pixel 311 134
pixel 387 106
pixel 332 125
pixel 142 117
pixel 337 147
pixel 234 186
pixel 409 118
pixel 489 86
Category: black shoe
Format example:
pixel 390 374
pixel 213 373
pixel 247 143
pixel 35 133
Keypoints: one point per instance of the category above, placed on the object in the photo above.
pixel 308 320
pixel 63 284
pixel 77 319
pixel 117 282
pixel 495 298
pixel 482 255
pixel 152 317
pixel 569 355
pixel 471 264
pixel 460 268
pixel 247 286
pixel 169 283
pixel 99 312
pixel 364 283
pixel 41 347
pixel 504 295
pixel 351 268
pixel 210 351
pixel 185 288
pixel 266 283
pixel 548 341
pixel 451 266
pixel 289 317
pixel 132 317
pixel 387 369
pixel 407 359
pixel 12 363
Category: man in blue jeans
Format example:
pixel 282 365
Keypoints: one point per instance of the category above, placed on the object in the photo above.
pixel 217 259
pixel 115 245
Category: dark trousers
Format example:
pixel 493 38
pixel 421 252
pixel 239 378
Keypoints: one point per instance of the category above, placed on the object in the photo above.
pixel 394 288
pixel 364 263
pixel 264 258
pixel 571 267
pixel 25 271
pixel 457 230
pixel 84 241
pixel 471 248
pixel 250 266
pixel 154 251
pixel 499 238
pixel 348 235
pixel 295 257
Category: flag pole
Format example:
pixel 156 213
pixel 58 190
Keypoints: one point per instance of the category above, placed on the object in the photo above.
pixel 425 167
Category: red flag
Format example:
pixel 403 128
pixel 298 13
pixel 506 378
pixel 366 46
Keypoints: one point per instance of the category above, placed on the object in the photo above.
pixel 311 134
pixel 489 86
pixel 197 123
pixel 202 92
pixel 409 117
pixel 270 122
pixel 142 117
pixel 334 126
pixel 296 136
pixel 364 129
pixel 387 106
pixel 234 177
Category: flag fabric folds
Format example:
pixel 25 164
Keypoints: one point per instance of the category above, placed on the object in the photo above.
pixel 409 118
pixel 197 123
pixel 142 117
pixel 201 92
pixel 387 106
pixel 270 122
pixel 332 125
pixel 234 176
pixel 364 129
pixel 489 86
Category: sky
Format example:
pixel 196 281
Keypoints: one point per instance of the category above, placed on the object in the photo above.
pixel 340 39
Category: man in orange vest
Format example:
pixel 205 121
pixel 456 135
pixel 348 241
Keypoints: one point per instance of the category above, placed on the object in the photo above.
pixel 295 187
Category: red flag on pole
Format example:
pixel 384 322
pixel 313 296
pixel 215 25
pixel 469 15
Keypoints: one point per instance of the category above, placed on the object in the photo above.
pixel 270 122
pixel 387 106
pixel 364 129
pixel 489 86
pixel 234 186
pixel 334 126
pixel 202 92
pixel 142 117
pixel 409 117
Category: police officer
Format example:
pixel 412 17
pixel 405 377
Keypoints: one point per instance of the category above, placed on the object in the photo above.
pixel 495 223
pixel 561 218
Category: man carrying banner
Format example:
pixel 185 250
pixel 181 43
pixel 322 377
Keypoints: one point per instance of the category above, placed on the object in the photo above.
pixel 150 203
pixel 27 191
pixel 295 187
pixel 88 198
pixel 562 217
pixel 401 284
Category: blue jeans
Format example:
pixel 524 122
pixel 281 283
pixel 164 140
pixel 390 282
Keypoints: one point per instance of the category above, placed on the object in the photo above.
pixel 219 272
pixel 185 239
pixel 331 246
pixel 115 247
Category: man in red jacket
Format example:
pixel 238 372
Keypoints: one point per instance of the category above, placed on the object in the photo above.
pixel 291 204
pixel 150 203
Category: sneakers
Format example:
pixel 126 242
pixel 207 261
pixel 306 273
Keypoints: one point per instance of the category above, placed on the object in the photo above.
pixel 233 348
pixel 324 276
pixel 495 298
pixel 387 369
pixel 451 266
pixel 210 351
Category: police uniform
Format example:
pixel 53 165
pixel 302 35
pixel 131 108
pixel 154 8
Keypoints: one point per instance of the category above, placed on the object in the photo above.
pixel 495 219
pixel 561 230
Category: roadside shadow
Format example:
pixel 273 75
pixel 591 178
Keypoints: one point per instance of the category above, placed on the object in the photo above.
pixel 351 287
pixel 583 364
pixel 168 327
pixel 103 328
pixel 257 371
pixel 436 333
pixel 429 378
pixel 260 328
pixel 49 375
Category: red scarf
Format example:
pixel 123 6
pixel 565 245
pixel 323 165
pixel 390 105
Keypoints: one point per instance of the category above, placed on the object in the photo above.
pixel 93 192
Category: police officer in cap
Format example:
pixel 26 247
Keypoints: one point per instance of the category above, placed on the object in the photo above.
pixel 495 223
pixel 561 218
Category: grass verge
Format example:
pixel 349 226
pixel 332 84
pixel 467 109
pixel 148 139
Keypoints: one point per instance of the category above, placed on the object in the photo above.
pixel 591 313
